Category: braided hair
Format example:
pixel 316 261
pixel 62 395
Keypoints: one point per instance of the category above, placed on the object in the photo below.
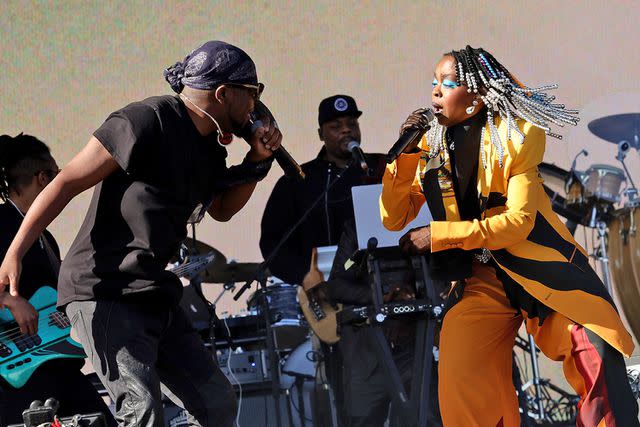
pixel 21 158
pixel 505 96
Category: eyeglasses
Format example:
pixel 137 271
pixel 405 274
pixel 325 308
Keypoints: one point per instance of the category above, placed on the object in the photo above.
pixel 256 90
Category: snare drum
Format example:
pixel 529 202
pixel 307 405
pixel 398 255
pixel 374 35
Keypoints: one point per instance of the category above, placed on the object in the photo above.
pixel 289 330
pixel 624 263
pixel 602 183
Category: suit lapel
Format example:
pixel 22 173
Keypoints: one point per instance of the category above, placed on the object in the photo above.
pixel 467 155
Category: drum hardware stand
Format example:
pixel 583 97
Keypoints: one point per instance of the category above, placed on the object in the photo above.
pixel 525 418
pixel 196 283
pixel 561 409
pixel 262 276
pixel 623 149
pixel 530 347
pixel 414 410
pixel 600 252
pixel 632 196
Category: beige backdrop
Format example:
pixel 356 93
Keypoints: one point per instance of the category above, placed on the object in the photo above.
pixel 66 65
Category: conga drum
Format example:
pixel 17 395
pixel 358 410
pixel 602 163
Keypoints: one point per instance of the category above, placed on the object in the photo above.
pixel 624 263
pixel 603 182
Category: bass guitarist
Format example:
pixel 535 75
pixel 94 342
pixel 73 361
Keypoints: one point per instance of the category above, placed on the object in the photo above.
pixel 26 167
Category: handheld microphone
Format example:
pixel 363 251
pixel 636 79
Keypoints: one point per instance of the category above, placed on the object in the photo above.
pixel 409 136
pixel 357 154
pixel 288 164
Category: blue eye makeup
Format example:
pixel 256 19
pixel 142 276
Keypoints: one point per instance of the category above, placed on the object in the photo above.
pixel 446 83
pixel 449 84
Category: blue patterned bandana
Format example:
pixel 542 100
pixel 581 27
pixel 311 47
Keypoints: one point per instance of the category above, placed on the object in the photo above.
pixel 211 65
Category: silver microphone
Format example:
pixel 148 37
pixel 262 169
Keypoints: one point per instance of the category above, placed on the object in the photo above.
pixel 357 154
pixel 409 136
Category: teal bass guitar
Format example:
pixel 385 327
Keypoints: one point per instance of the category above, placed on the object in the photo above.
pixel 20 354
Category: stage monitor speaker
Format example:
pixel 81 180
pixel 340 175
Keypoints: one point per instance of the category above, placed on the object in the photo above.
pixel 259 409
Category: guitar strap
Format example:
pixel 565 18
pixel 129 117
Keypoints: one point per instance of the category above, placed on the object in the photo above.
pixel 54 261
pixel 53 258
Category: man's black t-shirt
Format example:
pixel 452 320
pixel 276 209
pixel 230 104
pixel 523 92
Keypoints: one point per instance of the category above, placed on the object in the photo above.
pixel 36 266
pixel 138 215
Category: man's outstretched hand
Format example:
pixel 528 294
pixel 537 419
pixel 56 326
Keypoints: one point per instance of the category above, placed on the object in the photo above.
pixel 10 276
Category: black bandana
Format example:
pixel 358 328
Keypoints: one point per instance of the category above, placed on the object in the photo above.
pixel 211 65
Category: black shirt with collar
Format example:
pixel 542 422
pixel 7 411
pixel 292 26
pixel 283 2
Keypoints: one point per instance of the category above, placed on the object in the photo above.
pixel 289 200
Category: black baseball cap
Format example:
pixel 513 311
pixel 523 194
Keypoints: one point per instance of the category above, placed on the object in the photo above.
pixel 337 106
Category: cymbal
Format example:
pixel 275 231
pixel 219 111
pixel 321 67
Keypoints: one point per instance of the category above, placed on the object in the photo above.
pixel 618 127
pixel 196 247
pixel 231 272
pixel 219 270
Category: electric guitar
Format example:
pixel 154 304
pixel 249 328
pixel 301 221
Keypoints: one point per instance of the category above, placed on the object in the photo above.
pixel 315 305
pixel 21 355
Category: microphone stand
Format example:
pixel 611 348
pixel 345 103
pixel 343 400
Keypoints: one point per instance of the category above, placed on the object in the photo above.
pixel 196 282
pixel 631 193
pixel 264 265
pixel 261 275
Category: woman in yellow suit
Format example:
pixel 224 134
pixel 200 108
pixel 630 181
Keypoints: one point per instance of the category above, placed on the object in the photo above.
pixel 477 168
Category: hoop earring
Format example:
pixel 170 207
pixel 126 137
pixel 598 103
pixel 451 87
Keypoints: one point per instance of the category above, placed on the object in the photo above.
pixel 469 110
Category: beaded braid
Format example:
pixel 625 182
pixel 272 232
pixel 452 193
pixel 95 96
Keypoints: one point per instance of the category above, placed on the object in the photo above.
pixel 506 97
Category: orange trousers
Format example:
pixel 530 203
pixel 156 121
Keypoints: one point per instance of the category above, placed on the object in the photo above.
pixel 475 369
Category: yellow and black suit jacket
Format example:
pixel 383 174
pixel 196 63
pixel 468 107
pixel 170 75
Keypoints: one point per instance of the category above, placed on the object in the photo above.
pixel 526 239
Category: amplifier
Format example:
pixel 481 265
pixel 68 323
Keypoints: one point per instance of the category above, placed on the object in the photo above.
pixel 249 367
pixel 175 416
pixel 258 409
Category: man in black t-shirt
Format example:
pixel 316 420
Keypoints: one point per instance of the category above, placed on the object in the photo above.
pixel 154 164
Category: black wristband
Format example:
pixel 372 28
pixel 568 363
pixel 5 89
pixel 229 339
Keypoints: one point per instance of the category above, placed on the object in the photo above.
pixel 248 171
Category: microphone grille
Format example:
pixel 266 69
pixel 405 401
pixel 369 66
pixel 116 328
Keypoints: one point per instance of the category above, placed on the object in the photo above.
pixel 255 125
pixel 352 144
pixel 428 114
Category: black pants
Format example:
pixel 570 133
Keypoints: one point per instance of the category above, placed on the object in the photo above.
pixel 60 379
pixel 135 346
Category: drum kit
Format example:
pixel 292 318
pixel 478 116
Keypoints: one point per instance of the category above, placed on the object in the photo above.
pixel 605 199
pixel 271 329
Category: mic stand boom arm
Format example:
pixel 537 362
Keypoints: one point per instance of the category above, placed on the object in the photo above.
pixel 264 265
